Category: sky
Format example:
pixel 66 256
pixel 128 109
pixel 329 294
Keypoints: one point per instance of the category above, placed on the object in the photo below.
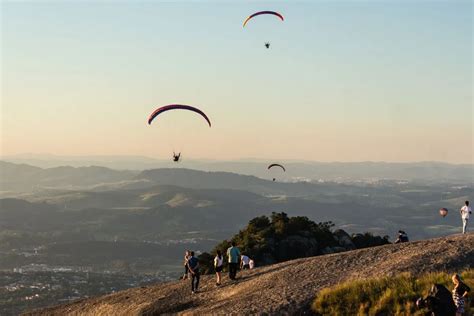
pixel 342 80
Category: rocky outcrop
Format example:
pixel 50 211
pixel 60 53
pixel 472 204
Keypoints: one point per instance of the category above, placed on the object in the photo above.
pixel 284 288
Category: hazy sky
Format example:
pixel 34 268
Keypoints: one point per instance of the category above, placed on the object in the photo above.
pixel 343 80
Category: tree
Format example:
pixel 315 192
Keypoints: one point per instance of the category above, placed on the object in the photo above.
pixel 281 238
pixel 206 263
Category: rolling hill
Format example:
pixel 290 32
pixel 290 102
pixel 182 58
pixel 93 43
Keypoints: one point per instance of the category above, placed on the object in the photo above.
pixel 21 177
pixel 341 171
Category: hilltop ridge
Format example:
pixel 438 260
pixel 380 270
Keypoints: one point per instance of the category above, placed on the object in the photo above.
pixel 284 288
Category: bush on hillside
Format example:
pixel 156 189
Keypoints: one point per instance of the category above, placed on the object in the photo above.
pixel 278 238
pixel 368 240
pixel 383 296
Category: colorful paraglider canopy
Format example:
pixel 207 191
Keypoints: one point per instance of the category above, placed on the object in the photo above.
pixel 262 13
pixel 276 165
pixel 443 212
pixel 177 107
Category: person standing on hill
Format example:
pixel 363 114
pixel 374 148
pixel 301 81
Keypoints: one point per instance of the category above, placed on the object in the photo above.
pixel 465 211
pixel 218 265
pixel 186 258
pixel 460 292
pixel 193 267
pixel 233 254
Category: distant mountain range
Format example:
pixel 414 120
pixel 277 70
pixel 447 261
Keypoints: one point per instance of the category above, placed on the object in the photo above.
pixel 179 200
pixel 296 170
pixel 22 177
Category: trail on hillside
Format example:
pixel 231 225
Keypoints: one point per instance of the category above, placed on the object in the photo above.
pixel 285 288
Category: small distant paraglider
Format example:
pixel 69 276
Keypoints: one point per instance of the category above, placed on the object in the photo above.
pixel 276 165
pixel 267 45
pixel 443 212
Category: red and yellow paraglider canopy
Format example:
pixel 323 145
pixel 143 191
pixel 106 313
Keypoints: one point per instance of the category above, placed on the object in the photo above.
pixel 263 13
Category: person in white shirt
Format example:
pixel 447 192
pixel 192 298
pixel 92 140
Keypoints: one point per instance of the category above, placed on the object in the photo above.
pixel 465 211
pixel 244 262
pixel 218 265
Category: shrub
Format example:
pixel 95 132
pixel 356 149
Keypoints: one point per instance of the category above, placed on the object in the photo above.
pixel 279 238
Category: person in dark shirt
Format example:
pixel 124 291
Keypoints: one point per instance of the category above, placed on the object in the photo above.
pixel 193 267
pixel 233 255
pixel 402 237
pixel 460 292
pixel 439 302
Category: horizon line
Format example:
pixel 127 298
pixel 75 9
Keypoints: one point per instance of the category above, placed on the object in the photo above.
pixel 37 156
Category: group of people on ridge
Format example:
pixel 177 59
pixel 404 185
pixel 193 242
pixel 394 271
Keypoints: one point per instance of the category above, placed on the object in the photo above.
pixel 234 257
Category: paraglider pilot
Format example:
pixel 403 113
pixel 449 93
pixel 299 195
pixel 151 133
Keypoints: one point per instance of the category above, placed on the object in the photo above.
pixel 176 157
pixel 267 45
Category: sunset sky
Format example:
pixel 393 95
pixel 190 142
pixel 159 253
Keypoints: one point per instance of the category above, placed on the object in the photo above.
pixel 342 81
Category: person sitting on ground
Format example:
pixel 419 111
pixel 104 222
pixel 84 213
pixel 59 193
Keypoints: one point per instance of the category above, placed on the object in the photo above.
pixel 460 292
pixel 218 265
pixel 438 302
pixel 244 262
pixel 402 237
pixel 233 254
pixel 193 267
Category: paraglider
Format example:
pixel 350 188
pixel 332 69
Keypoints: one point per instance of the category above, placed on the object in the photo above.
pixel 177 107
pixel 443 212
pixel 152 117
pixel 262 13
pixel 176 157
pixel 276 165
pixel 267 44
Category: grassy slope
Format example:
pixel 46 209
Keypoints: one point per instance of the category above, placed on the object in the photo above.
pixel 383 296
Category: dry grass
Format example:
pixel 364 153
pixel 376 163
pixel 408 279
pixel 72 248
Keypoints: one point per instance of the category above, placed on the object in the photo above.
pixel 383 296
